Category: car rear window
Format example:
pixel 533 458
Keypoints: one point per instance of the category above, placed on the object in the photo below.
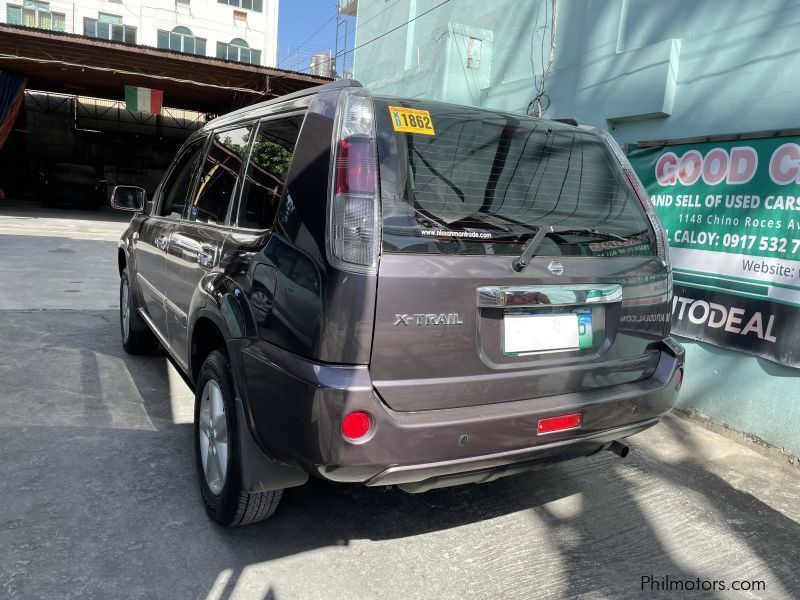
pixel 485 182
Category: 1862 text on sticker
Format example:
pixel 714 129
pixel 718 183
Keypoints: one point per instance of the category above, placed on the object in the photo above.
pixel 411 120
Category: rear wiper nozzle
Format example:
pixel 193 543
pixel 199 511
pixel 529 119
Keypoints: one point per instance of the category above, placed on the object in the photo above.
pixel 532 246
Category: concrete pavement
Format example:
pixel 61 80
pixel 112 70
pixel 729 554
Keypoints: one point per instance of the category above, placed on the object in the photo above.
pixel 99 496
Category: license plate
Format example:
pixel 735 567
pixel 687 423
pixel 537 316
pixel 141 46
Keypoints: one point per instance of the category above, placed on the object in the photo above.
pixel 546 332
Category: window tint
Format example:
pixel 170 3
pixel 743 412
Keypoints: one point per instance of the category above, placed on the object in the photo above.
pixel 485 182
pixel 266 172
pixel 220 175
pixel 176 188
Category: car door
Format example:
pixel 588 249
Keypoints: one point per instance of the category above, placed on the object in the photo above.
pixel 196 241
pixel 151 245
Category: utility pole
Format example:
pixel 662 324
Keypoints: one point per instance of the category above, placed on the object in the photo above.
pixel 342 34
pixel 334 67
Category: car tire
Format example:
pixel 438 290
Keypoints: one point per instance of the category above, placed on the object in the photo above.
pixel 217 451
pixel 136 335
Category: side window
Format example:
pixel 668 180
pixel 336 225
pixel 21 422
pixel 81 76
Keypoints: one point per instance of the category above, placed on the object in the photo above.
pixel 176 187
pixel 220 175
pixel 266 173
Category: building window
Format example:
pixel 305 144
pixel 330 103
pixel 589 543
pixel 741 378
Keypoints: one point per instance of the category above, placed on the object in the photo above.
pixel 240 51
pixel 257 5
pixel 111 19
pixel 109 27
pixel 181 39
pixel 35 14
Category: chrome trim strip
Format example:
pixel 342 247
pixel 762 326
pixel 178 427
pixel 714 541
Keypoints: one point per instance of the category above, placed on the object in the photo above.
pixel 163 340
pixel 150 288
pixel 547 295
pixel 181 316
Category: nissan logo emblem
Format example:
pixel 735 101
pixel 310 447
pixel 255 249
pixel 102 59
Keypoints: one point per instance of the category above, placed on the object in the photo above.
pixel 556 268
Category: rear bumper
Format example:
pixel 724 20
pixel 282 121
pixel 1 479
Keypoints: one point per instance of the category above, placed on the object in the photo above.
pixel 480 469
pixel 295 407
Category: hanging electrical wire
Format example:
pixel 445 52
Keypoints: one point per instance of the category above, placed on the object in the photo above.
pixel 308 39
pixel 541 102
pixel 392 30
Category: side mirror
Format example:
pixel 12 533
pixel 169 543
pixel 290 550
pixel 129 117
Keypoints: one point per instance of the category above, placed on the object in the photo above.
pixel 129 198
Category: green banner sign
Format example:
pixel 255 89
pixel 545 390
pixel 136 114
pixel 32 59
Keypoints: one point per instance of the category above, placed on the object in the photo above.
pixel 732 214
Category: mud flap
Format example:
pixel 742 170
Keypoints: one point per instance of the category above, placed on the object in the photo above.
pixel 259 472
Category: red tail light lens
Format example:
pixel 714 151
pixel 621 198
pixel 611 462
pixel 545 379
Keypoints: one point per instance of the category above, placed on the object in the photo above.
pixel 356 425
pixel 355 166
pixel 560 423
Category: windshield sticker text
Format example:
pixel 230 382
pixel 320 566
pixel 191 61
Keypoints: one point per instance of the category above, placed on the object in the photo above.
pixel 444 233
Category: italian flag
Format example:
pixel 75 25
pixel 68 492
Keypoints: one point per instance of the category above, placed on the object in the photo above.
pixel 144 99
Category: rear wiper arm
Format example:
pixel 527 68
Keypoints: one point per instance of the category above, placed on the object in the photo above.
pixel 595 232
pixel 533 245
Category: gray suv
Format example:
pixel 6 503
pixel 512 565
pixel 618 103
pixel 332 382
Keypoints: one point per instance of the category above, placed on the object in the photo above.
pixel 398 293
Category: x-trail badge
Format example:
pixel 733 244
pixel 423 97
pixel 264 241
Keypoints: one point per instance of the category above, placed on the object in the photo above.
pixel 425 319
pixel 556 268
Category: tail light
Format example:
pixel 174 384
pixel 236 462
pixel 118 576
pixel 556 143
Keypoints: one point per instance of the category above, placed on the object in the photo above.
pixel 354 220
pixel 641 193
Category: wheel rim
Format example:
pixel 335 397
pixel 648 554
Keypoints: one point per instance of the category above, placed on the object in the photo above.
pixel 125 310
pixel 213 434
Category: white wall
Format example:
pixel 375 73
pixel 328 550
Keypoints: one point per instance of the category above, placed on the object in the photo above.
pixel 206 18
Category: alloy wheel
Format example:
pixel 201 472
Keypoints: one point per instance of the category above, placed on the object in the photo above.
pixel 213 432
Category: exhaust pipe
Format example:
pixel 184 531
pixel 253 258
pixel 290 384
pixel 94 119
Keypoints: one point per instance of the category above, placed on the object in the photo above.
pixel 619 448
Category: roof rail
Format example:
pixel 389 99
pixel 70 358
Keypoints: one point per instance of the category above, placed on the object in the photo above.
pixel 228 117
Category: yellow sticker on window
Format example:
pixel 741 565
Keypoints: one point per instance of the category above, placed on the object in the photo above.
pixel 411 120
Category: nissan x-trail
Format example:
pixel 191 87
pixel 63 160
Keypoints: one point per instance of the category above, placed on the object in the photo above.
pixel 398 293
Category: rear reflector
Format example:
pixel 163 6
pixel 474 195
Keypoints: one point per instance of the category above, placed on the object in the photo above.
pixel 560 423
pixel 356 425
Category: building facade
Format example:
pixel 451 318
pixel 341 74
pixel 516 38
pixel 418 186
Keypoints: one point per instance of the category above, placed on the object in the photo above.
pixel 239 30
pixel 644 70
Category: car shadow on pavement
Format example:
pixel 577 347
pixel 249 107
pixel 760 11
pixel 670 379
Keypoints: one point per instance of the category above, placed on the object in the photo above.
pixel 592 526
pixel 585 554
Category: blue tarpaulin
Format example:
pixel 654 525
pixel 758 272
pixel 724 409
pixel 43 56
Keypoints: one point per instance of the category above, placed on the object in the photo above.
pixel 12 87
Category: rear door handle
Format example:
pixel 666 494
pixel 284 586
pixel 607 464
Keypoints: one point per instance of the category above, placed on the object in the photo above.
pixel 205 259
pixel 161 242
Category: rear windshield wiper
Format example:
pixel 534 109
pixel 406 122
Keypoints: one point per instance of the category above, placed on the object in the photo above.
pixel 533 245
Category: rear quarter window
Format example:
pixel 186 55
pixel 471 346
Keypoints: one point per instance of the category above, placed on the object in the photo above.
pixel 485 182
